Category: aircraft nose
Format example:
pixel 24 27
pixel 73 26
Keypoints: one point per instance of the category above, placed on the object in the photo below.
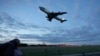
pixel 39 7
pixel 42 8
pixel 66 12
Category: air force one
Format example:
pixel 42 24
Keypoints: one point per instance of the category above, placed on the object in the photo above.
pixel 53 15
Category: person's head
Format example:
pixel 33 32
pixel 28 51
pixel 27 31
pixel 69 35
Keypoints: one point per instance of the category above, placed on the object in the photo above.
pixel 16 42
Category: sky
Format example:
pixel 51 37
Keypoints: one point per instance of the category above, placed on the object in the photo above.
pixel 23 19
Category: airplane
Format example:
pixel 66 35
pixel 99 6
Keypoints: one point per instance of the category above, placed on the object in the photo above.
pixel 53 15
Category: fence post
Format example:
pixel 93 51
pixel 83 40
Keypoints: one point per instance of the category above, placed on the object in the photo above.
pixel 59 53
pixel 45 52
pixel 83 54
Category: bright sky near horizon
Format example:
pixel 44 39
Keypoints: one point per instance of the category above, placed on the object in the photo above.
pixel 22 18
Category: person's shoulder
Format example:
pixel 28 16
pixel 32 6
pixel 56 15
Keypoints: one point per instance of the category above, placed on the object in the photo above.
pixel 17 52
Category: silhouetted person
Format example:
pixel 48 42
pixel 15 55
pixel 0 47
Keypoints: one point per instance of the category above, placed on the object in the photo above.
pixel 10 48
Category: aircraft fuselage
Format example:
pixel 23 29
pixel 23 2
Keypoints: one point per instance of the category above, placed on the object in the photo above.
pixel 51 15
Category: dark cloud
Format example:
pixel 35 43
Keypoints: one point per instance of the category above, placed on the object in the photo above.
pixel 82 34
pixel 9 22
pixel 1 36
pixel 27 36
pixel 88 32
pixel 11 27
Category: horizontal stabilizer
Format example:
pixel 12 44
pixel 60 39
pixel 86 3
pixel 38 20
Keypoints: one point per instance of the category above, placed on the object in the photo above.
pixel 63 20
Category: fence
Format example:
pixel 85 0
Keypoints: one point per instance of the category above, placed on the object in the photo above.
pixel 84 54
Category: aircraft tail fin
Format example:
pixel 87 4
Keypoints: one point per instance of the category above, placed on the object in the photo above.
pixel 63 20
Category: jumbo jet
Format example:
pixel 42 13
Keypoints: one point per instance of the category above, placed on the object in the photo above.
pixel 53 15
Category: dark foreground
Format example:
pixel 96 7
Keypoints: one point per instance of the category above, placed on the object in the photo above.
pixel 61 51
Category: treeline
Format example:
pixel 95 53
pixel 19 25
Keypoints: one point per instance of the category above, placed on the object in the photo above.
pixel 44 45
pixel 36 45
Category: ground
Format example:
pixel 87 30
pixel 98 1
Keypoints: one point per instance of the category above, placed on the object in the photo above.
pixel 53 51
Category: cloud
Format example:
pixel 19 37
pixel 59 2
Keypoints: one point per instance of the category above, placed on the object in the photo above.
pixel 10 28
pixel 7 20
pixel 87 20
pixel 80 35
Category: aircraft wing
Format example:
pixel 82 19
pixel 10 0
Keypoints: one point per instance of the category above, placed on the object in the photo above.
pixel 58 18
pixel 61 13
pixel 44 10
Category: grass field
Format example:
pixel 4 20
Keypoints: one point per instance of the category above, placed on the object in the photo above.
pixel 53 51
